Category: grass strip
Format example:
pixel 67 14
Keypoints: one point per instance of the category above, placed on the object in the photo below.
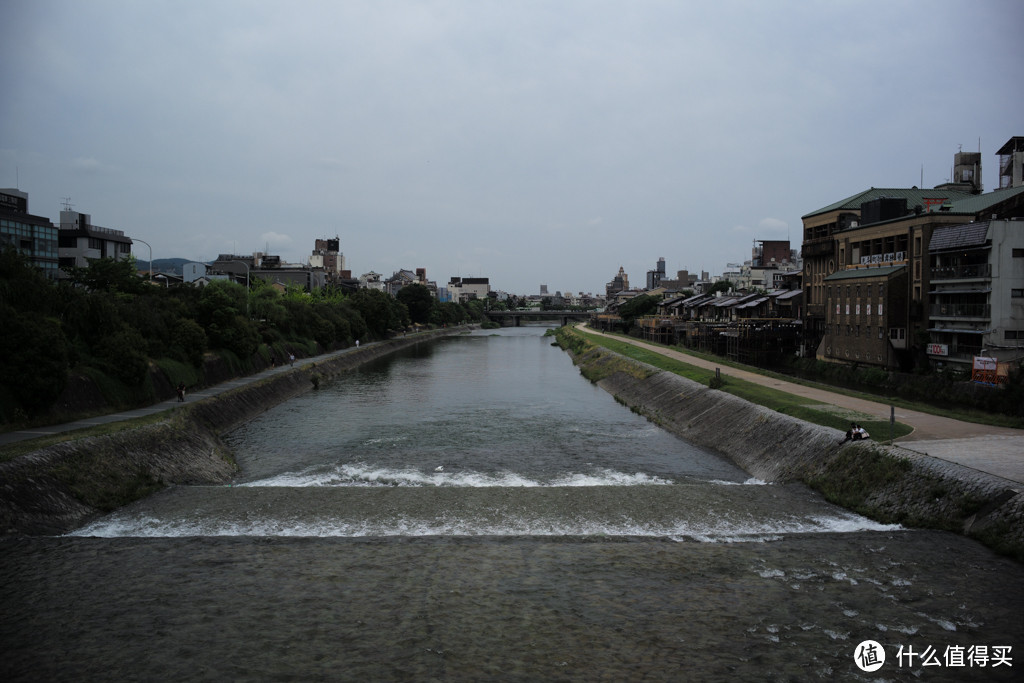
pixel 774 399
pixel 962 414
pixel 18 448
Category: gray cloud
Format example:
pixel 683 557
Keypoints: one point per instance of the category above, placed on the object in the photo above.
pixel 530 142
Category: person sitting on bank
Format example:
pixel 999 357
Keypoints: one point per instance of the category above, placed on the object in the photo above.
pixel 860 433
pixel 849 433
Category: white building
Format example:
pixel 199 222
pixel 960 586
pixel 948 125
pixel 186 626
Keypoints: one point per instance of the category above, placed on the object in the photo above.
pixel 976 297
pixel 463 289
pixel 79 241
pixel 192 271
pixel 371 280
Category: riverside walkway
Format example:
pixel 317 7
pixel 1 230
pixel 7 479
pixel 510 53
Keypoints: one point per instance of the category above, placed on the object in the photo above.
pixel 995 450
pixel 170 404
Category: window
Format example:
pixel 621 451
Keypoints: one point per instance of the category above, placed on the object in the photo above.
pixel 1010 335
pixel 1017 293
pixel 897 333
pixel 1018 253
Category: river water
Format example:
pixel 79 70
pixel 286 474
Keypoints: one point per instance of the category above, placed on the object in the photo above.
pixel 473 509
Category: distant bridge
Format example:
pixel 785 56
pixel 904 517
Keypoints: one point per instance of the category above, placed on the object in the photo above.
pixel 515 318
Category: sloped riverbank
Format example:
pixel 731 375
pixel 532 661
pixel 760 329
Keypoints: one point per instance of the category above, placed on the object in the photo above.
pixel 886 483
pixel 60 487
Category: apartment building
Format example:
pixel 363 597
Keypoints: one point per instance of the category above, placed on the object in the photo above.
pixel 80 241
pixel 976 300
pixel 889 230
pixel 35 237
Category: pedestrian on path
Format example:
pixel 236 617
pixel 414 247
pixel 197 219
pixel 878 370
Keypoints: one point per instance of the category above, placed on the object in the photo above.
pixel 181 392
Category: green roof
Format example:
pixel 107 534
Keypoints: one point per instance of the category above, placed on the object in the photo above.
pixel 851 273
pixel 977 203
pixel 913 195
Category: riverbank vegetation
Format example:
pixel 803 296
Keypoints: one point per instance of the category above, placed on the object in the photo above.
pixel 946 394
pixel 105 337
pixel 580 342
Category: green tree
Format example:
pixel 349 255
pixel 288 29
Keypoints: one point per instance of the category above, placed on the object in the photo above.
pixel 380 311
pixel 638 306
pixel 720 286
pixel 34 370
pixel 120 352
pixel 418 300
pixel 23 286
pixel 475 310
pixel 107 275
pixel 188 340
pixel 220 314
pixel 448 313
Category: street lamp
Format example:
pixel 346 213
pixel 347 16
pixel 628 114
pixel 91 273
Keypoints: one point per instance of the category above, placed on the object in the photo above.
pixel 136 239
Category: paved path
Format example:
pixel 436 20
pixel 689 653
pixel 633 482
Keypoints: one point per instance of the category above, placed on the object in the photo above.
pixel 996 450
pixel 170 404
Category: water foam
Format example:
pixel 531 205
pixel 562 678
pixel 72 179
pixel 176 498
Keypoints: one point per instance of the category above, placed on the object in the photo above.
pixel 719 531
pixel 361 474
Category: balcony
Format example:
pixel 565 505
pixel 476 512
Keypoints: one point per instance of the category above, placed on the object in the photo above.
pixel 977 311
pixel 977 271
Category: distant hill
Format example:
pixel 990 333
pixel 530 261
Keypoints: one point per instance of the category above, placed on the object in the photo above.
pixel 164 265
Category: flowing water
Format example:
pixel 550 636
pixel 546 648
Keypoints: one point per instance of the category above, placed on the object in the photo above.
pixel 473 509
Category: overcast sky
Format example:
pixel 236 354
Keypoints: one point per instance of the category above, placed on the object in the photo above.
pixel 528 142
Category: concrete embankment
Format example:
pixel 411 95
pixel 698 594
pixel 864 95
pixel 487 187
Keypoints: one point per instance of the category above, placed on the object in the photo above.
pixel 58 488
pixel 885 483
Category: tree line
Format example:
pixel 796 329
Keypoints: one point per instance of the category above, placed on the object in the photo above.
pixel 106 323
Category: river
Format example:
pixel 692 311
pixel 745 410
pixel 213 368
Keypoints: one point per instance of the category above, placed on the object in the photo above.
pixel 473 509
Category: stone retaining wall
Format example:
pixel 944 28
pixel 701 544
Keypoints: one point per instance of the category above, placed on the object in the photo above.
pixel 886 483
pixel 59 488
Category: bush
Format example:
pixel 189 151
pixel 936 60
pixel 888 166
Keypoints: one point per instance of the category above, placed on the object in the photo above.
pixel 35 353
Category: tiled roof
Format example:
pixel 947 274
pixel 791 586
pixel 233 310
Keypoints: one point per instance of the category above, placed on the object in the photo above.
pixel 958 236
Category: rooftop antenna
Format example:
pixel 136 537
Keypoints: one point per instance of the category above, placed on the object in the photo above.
pixel 67 203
